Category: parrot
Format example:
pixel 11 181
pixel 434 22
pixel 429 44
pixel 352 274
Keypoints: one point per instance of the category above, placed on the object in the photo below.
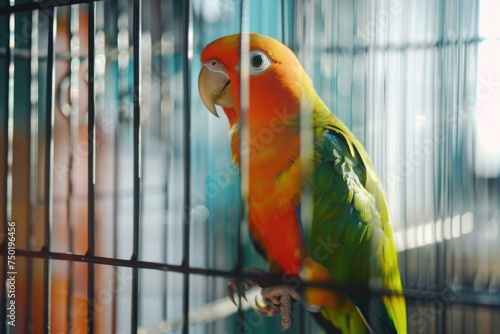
pixel 316 207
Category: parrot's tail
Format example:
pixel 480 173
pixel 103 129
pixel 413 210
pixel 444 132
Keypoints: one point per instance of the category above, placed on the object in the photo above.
pixel 372 314
pixel 347 321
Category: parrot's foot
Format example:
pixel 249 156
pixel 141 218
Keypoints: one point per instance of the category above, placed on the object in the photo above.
pixel 280 299
pixel 277 297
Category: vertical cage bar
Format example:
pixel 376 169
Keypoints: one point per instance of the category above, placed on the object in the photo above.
pixel 283 22
pixel 441 249
pixel 137 20
pixel 49 160
pixel 244 92
pixel 187 54
pixel 122 81
pixel 33 158
pixel 244 139
pixel 457 145
pixel 91 169
pixel 164 8
pixel 167 106
pixel 186 139
pixel 8 130
pixel 73 115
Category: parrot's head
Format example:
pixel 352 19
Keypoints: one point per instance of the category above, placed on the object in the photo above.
pixel 275 79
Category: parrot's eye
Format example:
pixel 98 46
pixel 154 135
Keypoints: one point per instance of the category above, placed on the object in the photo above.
pixel 259 62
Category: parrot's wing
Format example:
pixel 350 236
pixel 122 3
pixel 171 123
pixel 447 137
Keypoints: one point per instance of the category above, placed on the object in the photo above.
pixel 351 234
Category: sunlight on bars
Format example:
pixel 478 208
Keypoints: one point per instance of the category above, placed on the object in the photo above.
pixel 487 159
pixel 434 232
pixel 488 23
pixel 487 117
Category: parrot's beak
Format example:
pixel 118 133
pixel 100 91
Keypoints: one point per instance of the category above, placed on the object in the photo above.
pixel 213 86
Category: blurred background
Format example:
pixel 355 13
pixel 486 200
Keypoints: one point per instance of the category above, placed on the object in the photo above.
pixel 148 236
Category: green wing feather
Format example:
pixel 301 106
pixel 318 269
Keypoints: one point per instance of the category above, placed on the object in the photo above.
pixel 351 224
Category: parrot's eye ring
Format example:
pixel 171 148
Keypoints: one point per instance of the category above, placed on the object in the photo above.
pixel 259 62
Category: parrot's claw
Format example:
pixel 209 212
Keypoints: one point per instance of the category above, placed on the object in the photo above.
pixel 234 288
pixel 266 308
pixel 280 298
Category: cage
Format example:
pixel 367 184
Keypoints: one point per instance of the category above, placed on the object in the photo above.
pixel 121 208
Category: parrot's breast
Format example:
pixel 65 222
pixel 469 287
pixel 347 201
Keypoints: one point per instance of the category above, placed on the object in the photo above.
pixel 276 181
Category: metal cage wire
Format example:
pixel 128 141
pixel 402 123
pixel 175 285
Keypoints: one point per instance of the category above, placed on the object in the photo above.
pixel 120 186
